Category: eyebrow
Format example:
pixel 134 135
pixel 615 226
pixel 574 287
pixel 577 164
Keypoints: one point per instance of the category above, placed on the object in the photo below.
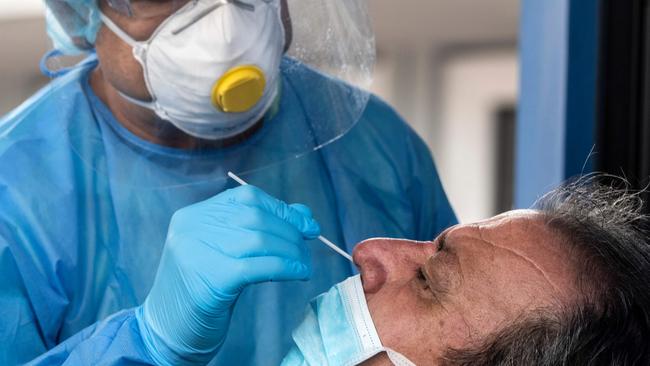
pixel 442 242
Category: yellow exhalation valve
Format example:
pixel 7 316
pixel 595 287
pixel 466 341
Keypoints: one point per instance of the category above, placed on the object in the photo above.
pixel 239 89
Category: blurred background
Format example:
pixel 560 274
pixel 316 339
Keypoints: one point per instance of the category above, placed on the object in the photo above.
pixel 449 67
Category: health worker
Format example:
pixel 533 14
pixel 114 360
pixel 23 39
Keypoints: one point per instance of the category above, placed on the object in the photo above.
pixel 122 240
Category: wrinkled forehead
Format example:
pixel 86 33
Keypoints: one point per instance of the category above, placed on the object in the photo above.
pixel 525 237
pixel 520 224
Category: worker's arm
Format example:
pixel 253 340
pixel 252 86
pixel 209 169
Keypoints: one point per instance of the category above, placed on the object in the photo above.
pixel 214 249
pixel 115 341
pixel 31 313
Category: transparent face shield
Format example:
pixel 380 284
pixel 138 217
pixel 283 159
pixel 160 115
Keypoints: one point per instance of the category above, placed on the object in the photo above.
pixel 322 92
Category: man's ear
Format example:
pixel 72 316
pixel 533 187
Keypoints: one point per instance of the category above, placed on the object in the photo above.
pixel 286 22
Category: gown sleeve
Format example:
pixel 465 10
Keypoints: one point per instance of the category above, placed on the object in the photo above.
pixel 28 331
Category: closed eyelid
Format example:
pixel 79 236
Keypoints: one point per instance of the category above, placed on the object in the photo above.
pixel 431 275
pixel 443 270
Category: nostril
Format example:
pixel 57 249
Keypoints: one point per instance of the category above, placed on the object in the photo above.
pixel 373 271
pixel 373 275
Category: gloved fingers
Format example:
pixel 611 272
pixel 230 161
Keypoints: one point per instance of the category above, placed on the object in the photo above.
pixel 237 232
pixel 253 219
pixel 245 243
pixel 219 218
pixel 270 269
pixel 303 209
pixel 259 220
pixel 254 197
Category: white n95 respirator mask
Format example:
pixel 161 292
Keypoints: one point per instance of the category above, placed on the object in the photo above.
pixel 338 331
pixel 212 68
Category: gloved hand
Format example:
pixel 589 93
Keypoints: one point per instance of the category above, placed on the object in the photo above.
pixel 215 249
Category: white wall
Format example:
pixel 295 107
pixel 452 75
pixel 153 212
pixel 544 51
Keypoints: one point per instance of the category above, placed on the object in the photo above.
pixel 21 8
pixel 450 98
pixel 23 42
pixel 406 77
pixel 474 85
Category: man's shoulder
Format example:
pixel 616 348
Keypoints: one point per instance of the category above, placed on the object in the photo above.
pixel 47 111
pixel 383 117
pixel 382 144
pixel 34 137
pixel 383 131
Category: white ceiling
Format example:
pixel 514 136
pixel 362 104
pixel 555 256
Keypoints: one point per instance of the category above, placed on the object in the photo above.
pixel 445 21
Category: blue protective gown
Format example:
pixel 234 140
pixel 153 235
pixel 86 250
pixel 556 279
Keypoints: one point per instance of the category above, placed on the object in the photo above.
pixel 80 241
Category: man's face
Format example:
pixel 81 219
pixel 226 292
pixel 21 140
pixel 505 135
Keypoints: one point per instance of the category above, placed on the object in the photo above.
pixel 119 67
pixel 425 297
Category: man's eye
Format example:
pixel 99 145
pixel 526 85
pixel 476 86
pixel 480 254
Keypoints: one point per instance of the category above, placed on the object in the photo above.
pixel 424 287
pixel 422 282
pixel 422 277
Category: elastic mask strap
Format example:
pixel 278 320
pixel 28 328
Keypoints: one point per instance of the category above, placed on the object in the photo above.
pixel 137 50
pixel 398 359
pixel 118 31
pixel 138 102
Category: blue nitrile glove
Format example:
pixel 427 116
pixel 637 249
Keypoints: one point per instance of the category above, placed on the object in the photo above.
pixel 214 249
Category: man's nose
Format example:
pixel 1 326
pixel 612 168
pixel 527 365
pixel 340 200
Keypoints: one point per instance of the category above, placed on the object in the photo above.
pixel 383 261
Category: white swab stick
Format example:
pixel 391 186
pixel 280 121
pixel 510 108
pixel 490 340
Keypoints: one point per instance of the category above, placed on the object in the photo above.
pixel 335 248
pixel 321 238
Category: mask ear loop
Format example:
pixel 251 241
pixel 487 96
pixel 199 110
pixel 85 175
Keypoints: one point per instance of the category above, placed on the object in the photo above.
pixel 397 358
pixel 138 52
pixel 118 31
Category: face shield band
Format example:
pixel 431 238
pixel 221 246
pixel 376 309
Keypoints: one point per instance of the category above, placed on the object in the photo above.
pixel 145 9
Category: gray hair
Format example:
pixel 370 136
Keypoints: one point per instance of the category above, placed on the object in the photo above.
pixel 606 226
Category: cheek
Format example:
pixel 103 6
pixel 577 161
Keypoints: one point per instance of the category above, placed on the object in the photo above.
pixel 488 301
pixel 405 321
pixel 119 68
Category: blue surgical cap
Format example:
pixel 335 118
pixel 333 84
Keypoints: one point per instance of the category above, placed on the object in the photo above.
pixel 72 24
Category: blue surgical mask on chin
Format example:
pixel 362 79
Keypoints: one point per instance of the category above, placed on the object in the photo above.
pixel 338 331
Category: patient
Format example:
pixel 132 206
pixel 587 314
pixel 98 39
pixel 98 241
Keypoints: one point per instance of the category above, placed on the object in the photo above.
pixel 565 284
